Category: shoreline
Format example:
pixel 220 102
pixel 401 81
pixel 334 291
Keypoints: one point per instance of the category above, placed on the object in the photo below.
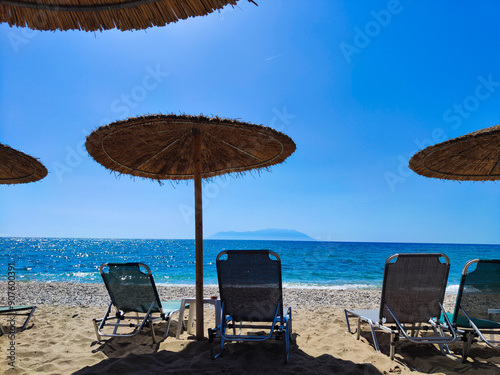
pixel 64 293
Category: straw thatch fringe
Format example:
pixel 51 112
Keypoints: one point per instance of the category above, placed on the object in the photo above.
pixel 205 181
pixel 93 15
pixel 16 167
pixel 471 157
pixel 160 147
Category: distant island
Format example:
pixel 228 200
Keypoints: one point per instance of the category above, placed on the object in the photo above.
pixel 264 234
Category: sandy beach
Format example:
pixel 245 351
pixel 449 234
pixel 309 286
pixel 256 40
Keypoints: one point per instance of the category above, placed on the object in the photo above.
pixel 60 339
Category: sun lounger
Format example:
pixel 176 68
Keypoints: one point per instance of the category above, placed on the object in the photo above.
pixel 12 312
pixel 477 310
pixel 135 298
pixel 412 296
pixel 251 297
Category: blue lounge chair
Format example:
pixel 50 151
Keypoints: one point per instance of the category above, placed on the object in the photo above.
pixel 135 298
pixel 477 310
pixel 251 297
pixel 14 311
pixel 412 296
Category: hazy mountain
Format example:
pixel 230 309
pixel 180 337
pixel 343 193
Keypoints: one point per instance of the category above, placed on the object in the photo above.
pixel 264 234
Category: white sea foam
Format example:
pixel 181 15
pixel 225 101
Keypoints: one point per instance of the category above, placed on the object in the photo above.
pixel 287 285
pixel 182 285
pixel 81 274
pixel 452 289
pixel 330 287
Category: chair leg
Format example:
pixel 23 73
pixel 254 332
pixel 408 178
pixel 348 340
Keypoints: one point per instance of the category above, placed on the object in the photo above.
pixel 116 327
pixel 28 318
pixel 16 314
pixel 212 334
pixel 347 321
pixel 374 336
pixel 211 343
pixel 358 330
pixel 180 324
pixel 153 332
pixel 286 341
pixel 468 340
pixel 96 328
pixel 393 346
pixel 444 348
pixel 169 320
pixel 192 311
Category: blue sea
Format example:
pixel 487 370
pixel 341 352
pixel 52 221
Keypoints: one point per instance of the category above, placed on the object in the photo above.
pixel 336 265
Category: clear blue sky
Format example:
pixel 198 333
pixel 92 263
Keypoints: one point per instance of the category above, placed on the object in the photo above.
pixel 358 85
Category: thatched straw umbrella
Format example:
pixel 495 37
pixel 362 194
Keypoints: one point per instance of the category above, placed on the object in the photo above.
pixel 170 147
pixel 18 168
pixel 471 157
pixel 93 15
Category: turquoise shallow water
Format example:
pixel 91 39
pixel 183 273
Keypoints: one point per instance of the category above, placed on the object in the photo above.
pixel 304 264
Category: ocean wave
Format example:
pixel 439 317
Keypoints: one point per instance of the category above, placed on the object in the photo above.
pixel 183 285
pixel 290 286
pixel 452 289
pixel 81 274
pixel 330 287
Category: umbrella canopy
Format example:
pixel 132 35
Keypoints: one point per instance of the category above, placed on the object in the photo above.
pixel 18 168
pixel 93 15
pixel 185 147
pixel 471 157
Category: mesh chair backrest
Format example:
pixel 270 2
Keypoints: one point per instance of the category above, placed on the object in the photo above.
pixel 479 292
pixel 130 288
pixel 413 287
pixel 250 284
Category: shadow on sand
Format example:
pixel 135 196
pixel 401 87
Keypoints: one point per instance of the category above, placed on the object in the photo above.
pixel 140 356
pixel 428 359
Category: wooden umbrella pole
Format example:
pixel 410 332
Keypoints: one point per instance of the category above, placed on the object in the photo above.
pixel 198 234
